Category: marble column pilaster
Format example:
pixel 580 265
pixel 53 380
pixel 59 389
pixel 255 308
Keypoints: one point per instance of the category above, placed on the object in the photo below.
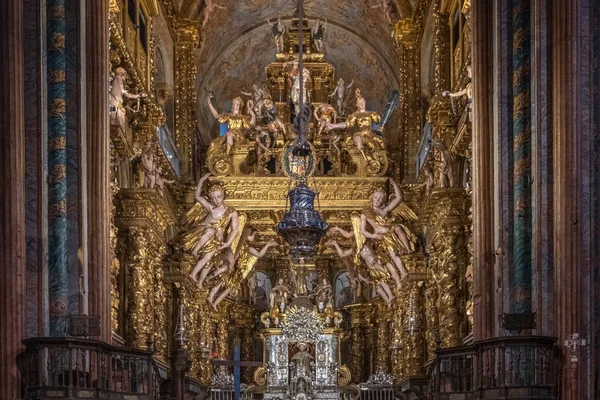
pixel 98 166
pixel 58 232
pixel 12 198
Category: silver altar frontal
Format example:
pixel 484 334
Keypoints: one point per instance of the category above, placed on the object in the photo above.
pixel 302 353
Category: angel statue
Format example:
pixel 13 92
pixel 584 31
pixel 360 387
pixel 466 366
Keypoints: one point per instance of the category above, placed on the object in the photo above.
pixel 215 231
pixel 232 280
pixel 387 229
pixel 278 31
pixel 339 95
pixel 317 33
pixel 237 124
pixel 365 256
pixel 366 250
pixel 118 96
pixel 363 120
pixel 467 91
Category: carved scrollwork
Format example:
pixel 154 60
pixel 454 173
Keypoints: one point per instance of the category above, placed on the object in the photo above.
pixel 344 376
pixel 260 376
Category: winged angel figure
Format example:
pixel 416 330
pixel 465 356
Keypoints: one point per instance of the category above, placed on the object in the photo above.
pixel 380 239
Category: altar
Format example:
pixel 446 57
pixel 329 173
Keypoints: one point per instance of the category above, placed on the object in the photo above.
pixel 302 353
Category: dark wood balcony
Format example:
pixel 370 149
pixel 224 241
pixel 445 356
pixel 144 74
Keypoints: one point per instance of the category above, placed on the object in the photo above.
pixel 520 367
pixel 70 368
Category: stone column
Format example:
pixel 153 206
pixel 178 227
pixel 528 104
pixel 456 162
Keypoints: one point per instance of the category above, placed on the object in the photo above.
pixel 98 162
pixel 483 170
pixel 12 198
pixel 520 281
pixel 58 262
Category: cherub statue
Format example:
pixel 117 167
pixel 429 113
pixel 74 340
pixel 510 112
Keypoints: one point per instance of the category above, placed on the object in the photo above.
pixel 237 123
pixel 147 159
pixel 258 95
pixel 317 33
pixel 387 229
pixel 467 91
pixel 160 181
pixel 215 232
pixel 278 31
pixel 339 95
pixel 446 162
pixel 363 120
pixel 280 293
pixel 387 9
pixel 323 293
pixel 118 94
pixel 325 114
pixel 209 8
pixel 233 278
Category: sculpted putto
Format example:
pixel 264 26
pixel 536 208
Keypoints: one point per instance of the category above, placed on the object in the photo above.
pixel 214 233
pixel 118 96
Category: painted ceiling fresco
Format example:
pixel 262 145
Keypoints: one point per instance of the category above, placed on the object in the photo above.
pixel 237 46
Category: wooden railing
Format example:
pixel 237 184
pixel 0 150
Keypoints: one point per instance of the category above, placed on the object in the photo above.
pixel 77 368
pixel 508 367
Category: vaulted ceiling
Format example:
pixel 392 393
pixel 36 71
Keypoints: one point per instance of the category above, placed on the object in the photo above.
pixel 237 46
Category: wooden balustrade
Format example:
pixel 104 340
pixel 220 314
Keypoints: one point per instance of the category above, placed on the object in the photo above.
pixel 72 368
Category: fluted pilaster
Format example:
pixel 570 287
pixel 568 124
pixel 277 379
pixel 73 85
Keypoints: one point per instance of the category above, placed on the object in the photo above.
pixel 12 198
pixel 573 225
pixel 98 161
pixel 483 171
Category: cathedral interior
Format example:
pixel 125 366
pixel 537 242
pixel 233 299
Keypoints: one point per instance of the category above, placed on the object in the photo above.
pixel 300 199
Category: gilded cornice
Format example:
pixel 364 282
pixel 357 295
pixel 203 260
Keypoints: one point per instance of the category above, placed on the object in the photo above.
pixel 144 208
